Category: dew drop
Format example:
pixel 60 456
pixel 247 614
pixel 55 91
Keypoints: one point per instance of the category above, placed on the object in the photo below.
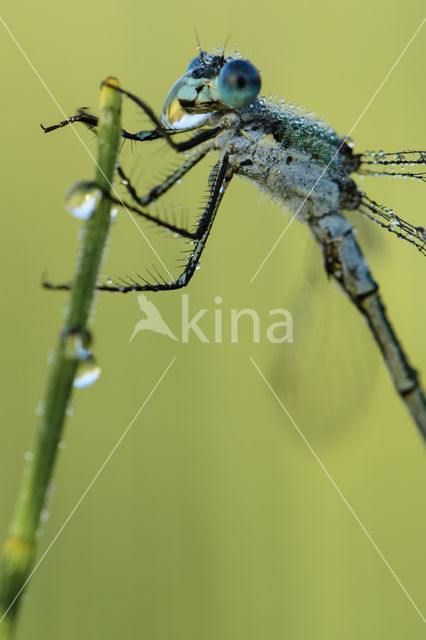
pixel 198 267
pixel 113 213
pixel 28 455
pixel 421 233
pixel 62 444
pixel 87 373
pixel 44 515
pixel 77 345
pixel 50 489
pixel 40 408
pixel 82 199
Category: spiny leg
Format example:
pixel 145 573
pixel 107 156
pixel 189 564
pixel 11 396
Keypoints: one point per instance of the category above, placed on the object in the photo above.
pixel 82 116
pixel 219 180
pixel 159 190
pixel 390 221
pixel 396 164
pixel 91 121
pixel 142 136
pixel 345 262
pixel 166 224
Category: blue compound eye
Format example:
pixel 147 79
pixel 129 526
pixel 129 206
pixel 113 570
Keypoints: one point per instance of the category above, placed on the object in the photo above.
pixel 238 83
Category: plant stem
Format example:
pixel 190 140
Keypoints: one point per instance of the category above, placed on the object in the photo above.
pixel 20 547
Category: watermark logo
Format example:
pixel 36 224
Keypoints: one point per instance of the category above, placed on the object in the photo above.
pixel 277 328
pixel 153 320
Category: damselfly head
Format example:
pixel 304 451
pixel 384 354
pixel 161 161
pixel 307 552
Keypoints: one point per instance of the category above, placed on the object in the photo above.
pixel 211 83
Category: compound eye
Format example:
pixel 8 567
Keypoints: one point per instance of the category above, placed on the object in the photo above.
pixel 238 83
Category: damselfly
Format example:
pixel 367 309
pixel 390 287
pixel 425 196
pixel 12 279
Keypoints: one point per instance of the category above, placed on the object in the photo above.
pixel 296 158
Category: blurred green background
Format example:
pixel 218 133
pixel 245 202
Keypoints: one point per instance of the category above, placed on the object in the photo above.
pixel 213 519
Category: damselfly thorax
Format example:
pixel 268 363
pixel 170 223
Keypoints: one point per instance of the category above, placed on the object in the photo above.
pixel 292 175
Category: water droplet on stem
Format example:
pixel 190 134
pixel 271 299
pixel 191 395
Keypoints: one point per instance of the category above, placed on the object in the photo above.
pixel 82 198
pixel 87 373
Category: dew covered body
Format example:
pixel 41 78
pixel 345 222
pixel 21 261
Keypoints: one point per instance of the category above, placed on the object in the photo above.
pixel 294 157
pixel 304 170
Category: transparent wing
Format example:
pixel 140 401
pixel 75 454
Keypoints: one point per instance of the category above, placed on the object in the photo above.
pixel 328 376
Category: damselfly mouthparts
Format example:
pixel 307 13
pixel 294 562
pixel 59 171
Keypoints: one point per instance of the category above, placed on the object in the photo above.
pixel 297 159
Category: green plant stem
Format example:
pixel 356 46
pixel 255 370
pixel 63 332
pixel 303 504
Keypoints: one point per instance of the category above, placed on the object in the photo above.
pixel 19 549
